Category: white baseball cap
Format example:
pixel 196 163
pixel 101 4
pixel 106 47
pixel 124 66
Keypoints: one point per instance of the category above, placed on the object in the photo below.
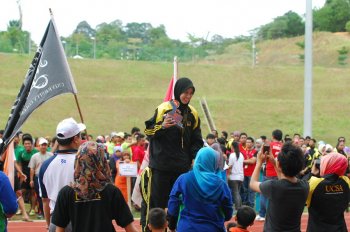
pixel 120 134
pixel 321 146
pixel 113 134
pixel 329 148
pixel 42 141
pixel 68 128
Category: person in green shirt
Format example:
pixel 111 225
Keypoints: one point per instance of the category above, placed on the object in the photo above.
pixel 23 159
pixel 19 177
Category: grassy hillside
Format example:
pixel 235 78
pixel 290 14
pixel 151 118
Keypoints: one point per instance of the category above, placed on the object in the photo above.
pixel 117 95
pixel 286 52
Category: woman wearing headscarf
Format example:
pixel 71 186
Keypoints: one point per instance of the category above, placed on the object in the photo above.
pixel 91 202
pixel 175 137
pixel 329 195
pixel 220 160
pixel 200 200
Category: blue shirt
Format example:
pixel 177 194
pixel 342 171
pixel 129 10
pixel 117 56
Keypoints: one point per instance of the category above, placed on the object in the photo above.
pixel 8 200
pixel 197 214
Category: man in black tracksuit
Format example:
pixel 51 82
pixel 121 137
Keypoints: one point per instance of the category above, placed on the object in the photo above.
pixel 174 142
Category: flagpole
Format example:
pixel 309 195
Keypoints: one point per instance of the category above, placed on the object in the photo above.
pixel 48 76
pixel 77 102
pixel 176 70
pixel 176 73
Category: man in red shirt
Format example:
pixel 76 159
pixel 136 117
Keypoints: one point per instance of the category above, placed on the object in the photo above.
pixel 270 172
pixel 249 154
pixel 242 142
pixel 138 150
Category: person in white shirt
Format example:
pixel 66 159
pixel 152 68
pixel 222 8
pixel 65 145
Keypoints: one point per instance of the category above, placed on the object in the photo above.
pixel 58 171
pixel 236 176
pixel 34 164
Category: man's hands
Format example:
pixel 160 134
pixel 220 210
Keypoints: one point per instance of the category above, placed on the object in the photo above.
pixel 22 176
pixel 267 156
pixel 262 157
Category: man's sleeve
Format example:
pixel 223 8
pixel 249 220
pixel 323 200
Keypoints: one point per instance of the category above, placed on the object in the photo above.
pixel 266 188
pixel 120 210
pixel 8 198
pixel 32 162
pixel 19 157
pixel 44 166
pixel 60 216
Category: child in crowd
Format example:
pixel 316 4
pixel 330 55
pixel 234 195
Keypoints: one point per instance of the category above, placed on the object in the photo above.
pixel 157 220
pixel 245 217
pixel 120 181
pixel 230 225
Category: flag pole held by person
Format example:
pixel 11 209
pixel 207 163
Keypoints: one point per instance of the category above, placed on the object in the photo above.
pixel 49 75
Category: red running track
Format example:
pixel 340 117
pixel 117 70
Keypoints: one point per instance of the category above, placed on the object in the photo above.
pixel 39 226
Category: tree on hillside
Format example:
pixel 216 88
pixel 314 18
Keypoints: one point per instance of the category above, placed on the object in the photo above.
pixel 295 24
pixel 139 41
pixel 110 32
pixel 138 30
pixel 157 33
pixel 111 39
pixel 333 16
pixel 288 25
pixel 18 38
pixel 85 29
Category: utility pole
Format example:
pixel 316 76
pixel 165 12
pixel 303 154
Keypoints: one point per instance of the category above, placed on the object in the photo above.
pixel 29 43
pixel 94 47
pixel 308 71
pixel 253 51
pixel 20 14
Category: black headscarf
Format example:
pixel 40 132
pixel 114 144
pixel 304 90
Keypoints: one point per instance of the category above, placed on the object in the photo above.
pixel 181 86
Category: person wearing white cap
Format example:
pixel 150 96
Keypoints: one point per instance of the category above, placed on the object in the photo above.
pixel 116 140
pixel 58 171
pixel 34 165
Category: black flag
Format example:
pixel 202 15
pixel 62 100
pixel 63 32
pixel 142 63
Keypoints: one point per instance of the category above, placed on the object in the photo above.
pixel 48 76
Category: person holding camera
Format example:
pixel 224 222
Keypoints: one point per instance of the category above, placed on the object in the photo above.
pixel 286 195
pixel 270 172
pixel 329 194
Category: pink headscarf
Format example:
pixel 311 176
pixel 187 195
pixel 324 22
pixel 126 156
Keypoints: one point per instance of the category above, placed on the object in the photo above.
pixel 333 163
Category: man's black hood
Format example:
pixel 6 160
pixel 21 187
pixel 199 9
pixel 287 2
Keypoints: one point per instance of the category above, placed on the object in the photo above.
pixel 181 86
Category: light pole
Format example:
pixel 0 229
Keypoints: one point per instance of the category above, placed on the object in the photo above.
pixel 29 44
pixel 64 46
pixel 94 39
pixel 308 71
pixel 253 50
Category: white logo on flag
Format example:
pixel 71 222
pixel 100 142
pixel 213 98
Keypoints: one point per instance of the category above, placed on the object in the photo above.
pixel 41 81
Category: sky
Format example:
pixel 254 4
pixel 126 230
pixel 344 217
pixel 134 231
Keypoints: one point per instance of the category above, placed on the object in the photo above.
pixel 201 18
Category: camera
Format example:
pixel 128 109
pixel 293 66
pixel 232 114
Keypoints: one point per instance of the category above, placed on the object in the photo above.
pixel 266 148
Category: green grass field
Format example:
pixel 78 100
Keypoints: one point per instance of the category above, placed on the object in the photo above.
pixel 117 95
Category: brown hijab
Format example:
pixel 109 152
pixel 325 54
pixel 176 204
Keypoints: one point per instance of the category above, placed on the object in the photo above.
pixel 91 173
